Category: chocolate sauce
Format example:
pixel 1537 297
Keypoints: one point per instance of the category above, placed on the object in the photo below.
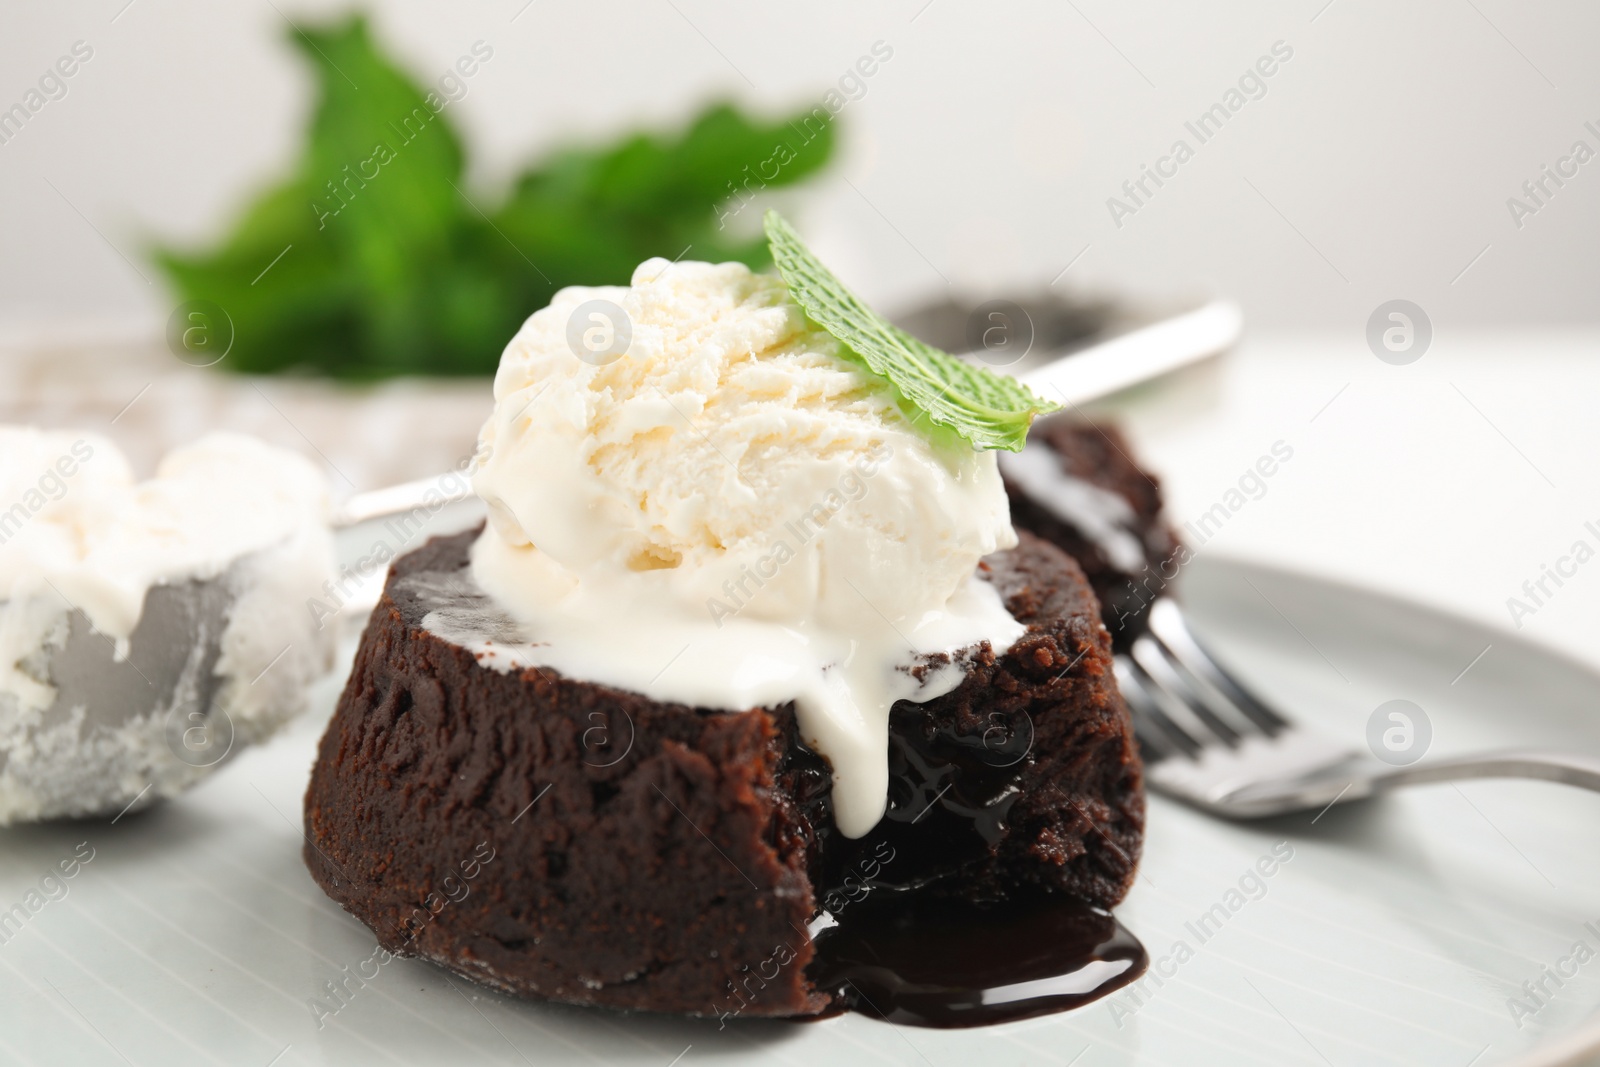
pixel 919 960
pixel 950 792
pixel 927 930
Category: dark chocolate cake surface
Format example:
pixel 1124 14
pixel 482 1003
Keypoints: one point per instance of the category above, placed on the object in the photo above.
pixel 1078 487
pixel 561 839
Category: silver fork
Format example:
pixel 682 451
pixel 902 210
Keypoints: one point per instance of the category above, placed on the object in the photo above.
pixel 1208 740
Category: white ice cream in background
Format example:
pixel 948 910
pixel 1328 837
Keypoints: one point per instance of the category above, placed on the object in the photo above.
pixel 732 515
pixel 79 532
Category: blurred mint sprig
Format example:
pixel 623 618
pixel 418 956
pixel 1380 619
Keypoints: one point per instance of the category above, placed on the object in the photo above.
pixel 373 259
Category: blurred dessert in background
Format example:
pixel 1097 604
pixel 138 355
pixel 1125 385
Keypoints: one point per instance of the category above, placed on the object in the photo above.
pixel 1077 485
pixel 1007 329
pixel 148 629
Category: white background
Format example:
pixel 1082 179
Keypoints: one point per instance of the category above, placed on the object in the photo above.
pixel 1377 166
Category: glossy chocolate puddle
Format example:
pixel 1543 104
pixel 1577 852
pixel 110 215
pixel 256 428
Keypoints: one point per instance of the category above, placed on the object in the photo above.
pixel 922 961
pixel 896 943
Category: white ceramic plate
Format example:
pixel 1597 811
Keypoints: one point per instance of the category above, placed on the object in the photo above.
pixel 1396 933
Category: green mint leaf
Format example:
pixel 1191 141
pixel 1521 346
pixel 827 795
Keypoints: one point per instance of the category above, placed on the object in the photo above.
pixel 988 409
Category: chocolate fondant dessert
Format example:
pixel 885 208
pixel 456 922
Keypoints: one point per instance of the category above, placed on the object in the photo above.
pixel 1077 485
pixel 566 840
pixel 748 638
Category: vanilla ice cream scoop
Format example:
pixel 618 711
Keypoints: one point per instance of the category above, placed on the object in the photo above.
pixel 148 629
pixel 730 513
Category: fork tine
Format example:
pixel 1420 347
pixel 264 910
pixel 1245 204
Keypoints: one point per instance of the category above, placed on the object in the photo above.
pixel 1171 632
pixel 1219 713
pixel 1179 696
pixel 1158 735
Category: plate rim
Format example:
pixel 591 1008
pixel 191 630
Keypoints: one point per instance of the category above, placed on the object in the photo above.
pixel 1577 1047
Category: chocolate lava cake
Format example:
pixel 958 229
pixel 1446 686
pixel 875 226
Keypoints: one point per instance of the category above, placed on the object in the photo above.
pixel 1105 511
pixel 565 840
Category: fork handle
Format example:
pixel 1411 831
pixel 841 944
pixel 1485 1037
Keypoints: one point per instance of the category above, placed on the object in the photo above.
pixel 1344 783
pixel 1569 768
